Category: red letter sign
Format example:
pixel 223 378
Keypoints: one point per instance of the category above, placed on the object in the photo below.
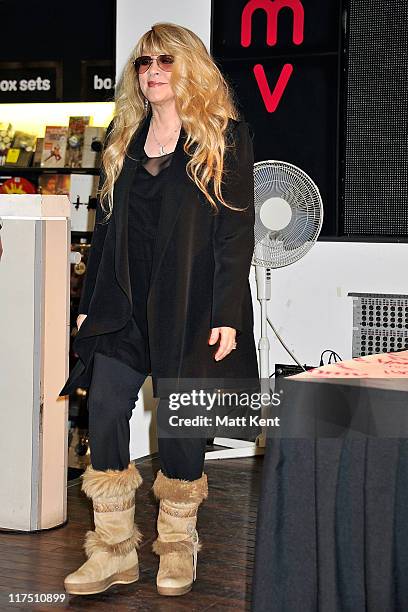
pixel 272 8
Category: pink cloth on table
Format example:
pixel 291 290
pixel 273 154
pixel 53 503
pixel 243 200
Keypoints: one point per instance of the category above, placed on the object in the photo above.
pixel 381 366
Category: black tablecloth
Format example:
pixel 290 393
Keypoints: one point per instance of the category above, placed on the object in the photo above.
pixel 332 530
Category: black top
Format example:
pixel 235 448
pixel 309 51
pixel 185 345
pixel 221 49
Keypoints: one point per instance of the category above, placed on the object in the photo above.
pixel 144 206
pixel 130 344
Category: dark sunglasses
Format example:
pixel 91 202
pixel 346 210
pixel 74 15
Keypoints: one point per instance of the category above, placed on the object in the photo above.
pixel 143 63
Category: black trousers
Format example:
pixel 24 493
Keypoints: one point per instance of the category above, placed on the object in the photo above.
pixel 112 394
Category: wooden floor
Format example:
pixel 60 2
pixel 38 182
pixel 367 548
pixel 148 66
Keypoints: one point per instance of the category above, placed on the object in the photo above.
pixel 38 563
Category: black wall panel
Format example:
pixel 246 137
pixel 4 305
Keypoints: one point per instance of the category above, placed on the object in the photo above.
pixel 61 32
pixel 303 129
pixel 375 166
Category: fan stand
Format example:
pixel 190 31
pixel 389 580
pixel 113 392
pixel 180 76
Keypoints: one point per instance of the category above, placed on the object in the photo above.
pixel 235 448
pixel 245 448
pixel 276 207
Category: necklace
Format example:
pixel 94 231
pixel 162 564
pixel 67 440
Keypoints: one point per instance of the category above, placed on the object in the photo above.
pixel 161 146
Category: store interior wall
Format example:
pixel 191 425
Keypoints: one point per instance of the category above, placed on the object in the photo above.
pixel 310 307
pixel 309 304
pixel 132 20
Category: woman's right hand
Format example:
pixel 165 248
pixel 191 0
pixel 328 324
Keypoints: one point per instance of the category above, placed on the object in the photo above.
pixel 80 319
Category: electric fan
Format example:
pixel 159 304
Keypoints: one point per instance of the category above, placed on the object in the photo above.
pixel 288 220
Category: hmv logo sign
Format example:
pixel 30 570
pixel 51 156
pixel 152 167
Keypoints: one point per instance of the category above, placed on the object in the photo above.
pixel 272 87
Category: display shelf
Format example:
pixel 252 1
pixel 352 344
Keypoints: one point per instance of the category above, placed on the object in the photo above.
pixel 14 171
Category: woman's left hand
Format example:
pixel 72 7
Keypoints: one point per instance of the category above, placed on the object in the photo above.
pixel 227 341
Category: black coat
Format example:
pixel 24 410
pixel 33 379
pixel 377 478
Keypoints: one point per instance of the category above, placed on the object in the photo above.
pixel 199 280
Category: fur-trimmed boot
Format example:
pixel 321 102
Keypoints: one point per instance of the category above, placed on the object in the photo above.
pixel 178 542
pixel 111 548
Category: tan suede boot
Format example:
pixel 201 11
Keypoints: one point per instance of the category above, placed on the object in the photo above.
pixel 178 542
pixel 111 548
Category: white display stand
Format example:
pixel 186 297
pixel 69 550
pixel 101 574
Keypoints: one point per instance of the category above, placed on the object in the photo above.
pixel 34 340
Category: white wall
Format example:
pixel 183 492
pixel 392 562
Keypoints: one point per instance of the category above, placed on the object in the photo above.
pixel 309 306
pixel 135 17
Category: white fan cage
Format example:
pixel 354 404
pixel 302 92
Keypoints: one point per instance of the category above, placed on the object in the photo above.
pixel 277 179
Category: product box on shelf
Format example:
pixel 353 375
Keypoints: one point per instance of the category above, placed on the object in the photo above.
pixel 75 144
pixel 54 147
pixel 93 139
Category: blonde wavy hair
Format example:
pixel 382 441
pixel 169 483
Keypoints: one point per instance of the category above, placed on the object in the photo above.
pixel 204 103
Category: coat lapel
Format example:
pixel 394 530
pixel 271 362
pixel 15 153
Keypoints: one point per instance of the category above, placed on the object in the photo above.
pixel 176 182
pixel 120 208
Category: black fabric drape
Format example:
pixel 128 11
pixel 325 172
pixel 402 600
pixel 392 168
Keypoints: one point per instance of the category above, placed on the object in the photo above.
pixel 332 531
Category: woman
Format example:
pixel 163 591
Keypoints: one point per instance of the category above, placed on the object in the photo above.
pixel 166 294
